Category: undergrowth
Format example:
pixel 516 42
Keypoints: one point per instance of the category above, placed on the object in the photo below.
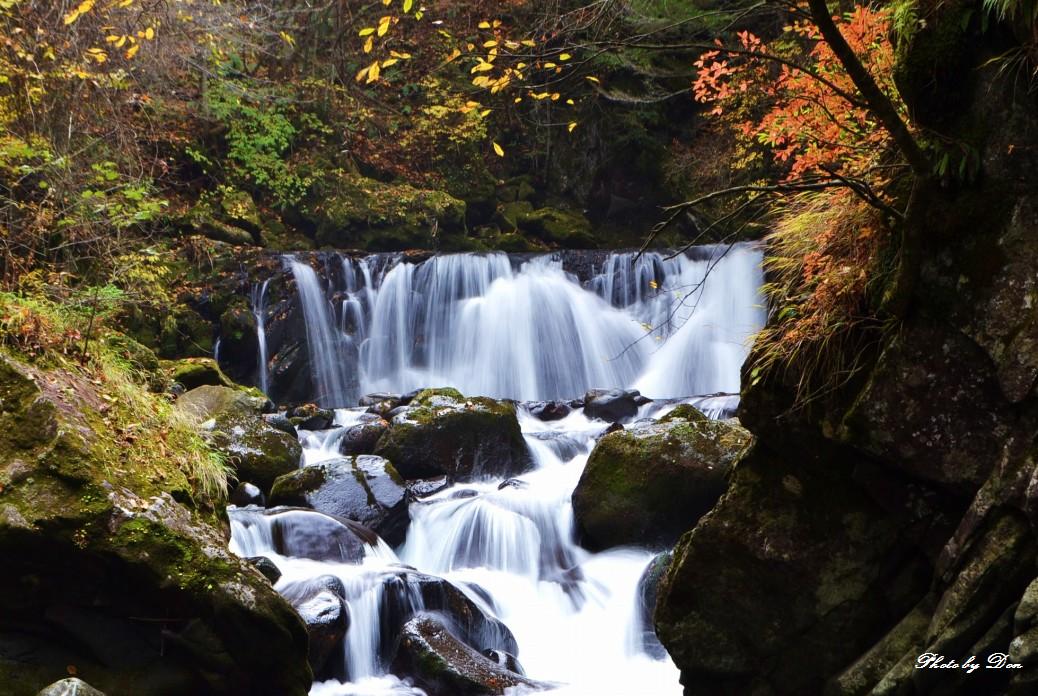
pixel 150 446
pixel 824 259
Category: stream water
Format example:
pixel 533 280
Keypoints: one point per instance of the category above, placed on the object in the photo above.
pixel 487 327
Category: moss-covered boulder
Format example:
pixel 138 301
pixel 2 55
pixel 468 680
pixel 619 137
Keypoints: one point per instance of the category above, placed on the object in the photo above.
pixel 357 212
pixel 794 573
pixel 365 488
pixel 232 420
pixel 92 544
pixel 651 482
pixel 444 665
pixel 441 432
pixel 196 372
pixel 561 228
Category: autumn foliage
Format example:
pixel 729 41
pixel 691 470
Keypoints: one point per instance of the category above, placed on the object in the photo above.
pixel 804 122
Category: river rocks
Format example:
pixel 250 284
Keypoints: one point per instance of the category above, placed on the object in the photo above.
pixel 311 417
pixel 649 483
pixel 648 589
pixel 442 432
pixel 444 665
pixel 321 604
pixel 90 548
pixel 246 493
pixel 267 567
pixel 310 534
pixel 362 437
pixel 69 687
pixel 549 410
pixel 405 591
pixel 612 405
pixel 258 451
pixel 366 489
pixel 793 574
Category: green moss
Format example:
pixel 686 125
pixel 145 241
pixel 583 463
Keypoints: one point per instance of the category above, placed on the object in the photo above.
pixel 684 412
pixel 566 229
pixel 426 395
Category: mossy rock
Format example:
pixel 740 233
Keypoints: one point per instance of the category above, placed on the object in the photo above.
pixel 196 372
pixel 91 547
pixel 565 229
pixel 515 243
pixel 509 214
pixel 238 208
pixel 651 482
pixel 442 432
pixel 356 211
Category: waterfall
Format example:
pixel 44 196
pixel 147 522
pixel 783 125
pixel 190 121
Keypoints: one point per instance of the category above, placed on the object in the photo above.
pixel 259 311
pixel 524 328
pixel 328 357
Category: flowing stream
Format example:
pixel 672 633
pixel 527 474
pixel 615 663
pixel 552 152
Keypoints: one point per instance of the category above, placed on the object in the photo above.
pixel 486 326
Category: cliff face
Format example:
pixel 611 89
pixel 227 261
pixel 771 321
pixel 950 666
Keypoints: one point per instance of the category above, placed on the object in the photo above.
pixel 899 518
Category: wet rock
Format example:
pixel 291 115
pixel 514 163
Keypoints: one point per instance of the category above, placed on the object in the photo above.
pixel 406 592
pixel 362 437
pixel 246 493
pixel 549 410
pixel 267 567
pixel 506 660
pixel 443 665
pixel 612 405
pixel 365 488
pixel 258 451
pixel 309 534
pixel 380 397
pixel 311 417
pixel 512 483
pixel 648 589
pixel 69 687
pixel 281 422
pixel 421 488
pixel 443 433
pixel 651 482
pixel 321 604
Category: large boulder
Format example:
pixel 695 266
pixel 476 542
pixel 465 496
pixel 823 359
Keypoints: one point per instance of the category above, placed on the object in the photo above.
pixel 442 432
pixel 321 603
pixel 651 482
pixel 613 405
pixel 258 451
pixel 92 544
pixel 362 437
pixel 305 533
pixel 364 488
pixel 794 573
pixel 444 665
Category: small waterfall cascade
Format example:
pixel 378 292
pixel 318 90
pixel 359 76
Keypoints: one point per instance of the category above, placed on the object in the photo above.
pixel 259 311
pixel 523 328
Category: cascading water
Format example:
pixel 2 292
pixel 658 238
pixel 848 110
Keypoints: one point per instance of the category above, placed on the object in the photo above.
pixel 490 325
pixel 259 311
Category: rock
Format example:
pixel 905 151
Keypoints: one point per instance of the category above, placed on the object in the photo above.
pixel 611 405
pixel 405 591
pixel 788 579
pixel 648 588
pixel 443 665
pixel 196 372
pixel 506 660
pixel 322 606
pixel 281 422
pixel 420 488
pixel 443 433
pixel 91 549
pixel 513 483
pixel 558 227
pixel 258 451
pixel 362 437
pixel 308 533
pixel 311 417
pixel 267 567
pixel 380 397
pixel 649 483
pixel 549 410
pixel 365 488
pixel 247 494
pixel 69 687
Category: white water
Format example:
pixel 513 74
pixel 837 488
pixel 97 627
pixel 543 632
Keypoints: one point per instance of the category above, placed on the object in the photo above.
pixel 259 311
pixel 573 613
pixel 530 331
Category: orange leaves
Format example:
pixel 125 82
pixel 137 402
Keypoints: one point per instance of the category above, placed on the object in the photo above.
pixel 802 121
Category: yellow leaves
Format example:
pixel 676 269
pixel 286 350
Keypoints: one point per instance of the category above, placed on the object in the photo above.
pixel 287 38
pixel 453 54
pixel 132 51
pixel 469 106
pixel 366 31
pixel 97 55
pixel 386 2
pixel 571 126
pixel 481 81
pixel 80 10
pixel 570 102
pixel 371 72
pixel 390 61
pixel 481 66
pixel 528 42
pixel 149 34
pixel 369 44
pixel 488 25
pixel 539 95
pixel 548 66
pixel 484 24
pixel 383 25
pixel 484 113
pixel 408 4
pixel 592 78
pixel 401 56
pixel 498 149
pixel 489 44
pixel 654 285
pixel 564 57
